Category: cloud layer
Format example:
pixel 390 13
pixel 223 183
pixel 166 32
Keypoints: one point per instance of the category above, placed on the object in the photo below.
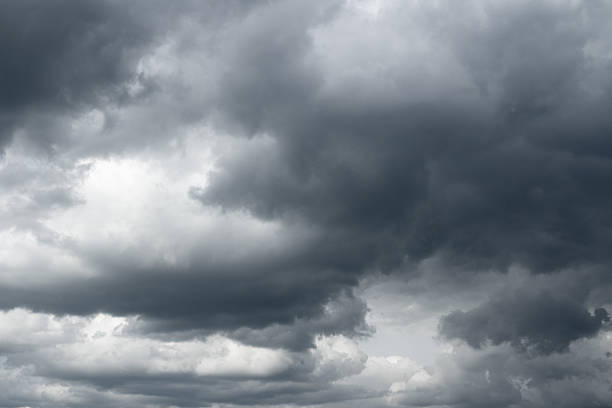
pixel 229 203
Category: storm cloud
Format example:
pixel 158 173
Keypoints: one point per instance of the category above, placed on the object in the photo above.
pixel 534 320
pixel 339 203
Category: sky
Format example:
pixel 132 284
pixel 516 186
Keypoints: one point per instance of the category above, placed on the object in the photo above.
pixel 291 203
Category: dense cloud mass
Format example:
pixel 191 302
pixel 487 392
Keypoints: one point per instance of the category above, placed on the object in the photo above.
pixel 62 55
pixel 534 320
pixel 364 203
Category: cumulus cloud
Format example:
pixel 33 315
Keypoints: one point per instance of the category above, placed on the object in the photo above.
pixel 360 202
pixel 538 321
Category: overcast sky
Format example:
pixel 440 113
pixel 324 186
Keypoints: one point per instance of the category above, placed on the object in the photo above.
pixel 292 203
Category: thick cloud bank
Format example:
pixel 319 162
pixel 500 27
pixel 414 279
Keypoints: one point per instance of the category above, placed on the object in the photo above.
pixel 337 203
pixel 537 321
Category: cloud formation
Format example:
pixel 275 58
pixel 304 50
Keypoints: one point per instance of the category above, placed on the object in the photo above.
pixel 537 321
pixel 226 203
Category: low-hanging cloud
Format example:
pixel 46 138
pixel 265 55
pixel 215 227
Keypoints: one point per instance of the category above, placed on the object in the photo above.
pixel 539 322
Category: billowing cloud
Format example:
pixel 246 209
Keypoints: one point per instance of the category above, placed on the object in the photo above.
pixel 342 203
pixel 538 321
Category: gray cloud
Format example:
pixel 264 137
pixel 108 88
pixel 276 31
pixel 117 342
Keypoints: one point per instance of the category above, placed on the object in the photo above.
pixel 62 55
pixel 345 143
pixel 478 174
pixel 540 322
pixel 502 378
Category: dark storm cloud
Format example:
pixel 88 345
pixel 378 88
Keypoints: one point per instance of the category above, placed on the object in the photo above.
pixel 471 170
pixel 93 49
pixel 290 295
pixel 63 51
pixel 344 315
pixel 475 133
pixel 62 54
pixel 489 175
pixel 510 168
pixel 538 322
pixel 61 57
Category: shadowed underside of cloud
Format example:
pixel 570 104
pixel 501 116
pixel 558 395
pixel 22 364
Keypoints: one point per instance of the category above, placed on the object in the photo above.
pixel 537 322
